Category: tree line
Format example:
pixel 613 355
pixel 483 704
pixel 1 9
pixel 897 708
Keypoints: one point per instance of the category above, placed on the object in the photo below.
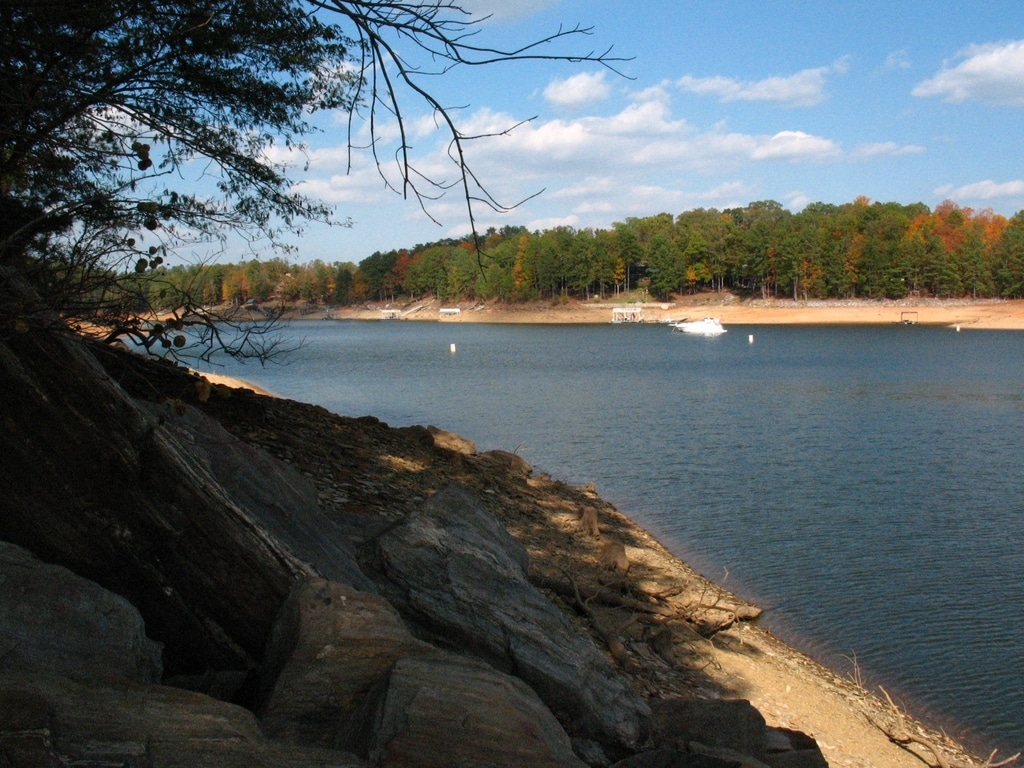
pixel 854 250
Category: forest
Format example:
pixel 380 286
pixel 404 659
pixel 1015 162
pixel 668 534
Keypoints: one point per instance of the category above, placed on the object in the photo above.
pixel 861 249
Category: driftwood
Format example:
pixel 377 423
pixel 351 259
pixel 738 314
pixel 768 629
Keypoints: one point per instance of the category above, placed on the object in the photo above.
pixel 671 624
pixel 693 616
pixel 612 638
pixel 604 597
pixel 898 732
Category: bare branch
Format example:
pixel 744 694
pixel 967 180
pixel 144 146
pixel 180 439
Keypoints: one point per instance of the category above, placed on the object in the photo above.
pixel 899 733
pixel 446 35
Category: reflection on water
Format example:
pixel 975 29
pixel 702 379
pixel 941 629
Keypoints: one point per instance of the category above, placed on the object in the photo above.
pixel 863 484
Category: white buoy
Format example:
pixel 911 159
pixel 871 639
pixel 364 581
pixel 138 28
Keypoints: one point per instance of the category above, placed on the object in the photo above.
pixel 750 338
pixel 958 329
pixel 453 349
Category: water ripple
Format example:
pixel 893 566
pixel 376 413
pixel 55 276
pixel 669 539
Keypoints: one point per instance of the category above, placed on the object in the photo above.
pixel 863 484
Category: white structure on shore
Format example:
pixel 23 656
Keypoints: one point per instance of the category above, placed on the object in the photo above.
pixel 627 315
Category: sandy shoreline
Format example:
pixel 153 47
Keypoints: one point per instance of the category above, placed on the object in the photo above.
pixel 233 382
pixel 790 689
pixel 966 314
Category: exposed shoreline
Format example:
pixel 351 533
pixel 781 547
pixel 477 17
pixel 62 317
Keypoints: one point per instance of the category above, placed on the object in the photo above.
pixel 990 314
pixel 791 689
pixel 958 314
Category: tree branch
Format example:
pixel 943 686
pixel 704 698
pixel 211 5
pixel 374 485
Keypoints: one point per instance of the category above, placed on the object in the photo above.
pixel 446 34
pixel 899 733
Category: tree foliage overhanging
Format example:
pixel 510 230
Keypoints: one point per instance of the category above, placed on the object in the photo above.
pixel 152 118
pixel 130 128
pixel 855 250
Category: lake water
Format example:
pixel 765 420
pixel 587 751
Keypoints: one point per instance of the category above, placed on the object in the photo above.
pixel 862 484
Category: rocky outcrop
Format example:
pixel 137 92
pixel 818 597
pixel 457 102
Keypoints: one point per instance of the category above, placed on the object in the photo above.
pixel 458 572
pixel 329 646
pixel 279 499
pixel 397 632
pixel 56 721
pixel 445 711
pixel 94 482
pixel 55 622
pixel 713 733
pixel 77 686
pixel 724 726
pixel 451 441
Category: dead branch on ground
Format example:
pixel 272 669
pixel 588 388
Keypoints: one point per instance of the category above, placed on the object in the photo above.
pixel 612 638
pixel 898 733
pixel 604 596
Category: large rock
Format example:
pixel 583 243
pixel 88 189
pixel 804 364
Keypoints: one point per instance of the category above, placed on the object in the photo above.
pixel 720 724
pixel 671 758
pixel 51 721
pixel 792 749
pixel 447 711
pixel 55 622
pixel 451 441
pixel 92 481
pixel 328 647
pixel 455 569
pixel 730 730
pixel 272 492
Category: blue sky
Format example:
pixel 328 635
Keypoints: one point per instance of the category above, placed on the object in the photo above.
pixel 723 103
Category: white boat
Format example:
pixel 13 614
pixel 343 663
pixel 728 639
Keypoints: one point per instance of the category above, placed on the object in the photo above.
pixel 709 326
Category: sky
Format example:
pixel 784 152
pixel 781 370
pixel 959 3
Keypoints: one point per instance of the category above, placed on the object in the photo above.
pixel 715 104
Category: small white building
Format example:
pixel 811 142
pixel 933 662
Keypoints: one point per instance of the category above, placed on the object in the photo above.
pixel 627 315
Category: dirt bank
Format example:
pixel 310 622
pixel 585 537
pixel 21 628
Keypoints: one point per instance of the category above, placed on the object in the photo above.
pixel 967 314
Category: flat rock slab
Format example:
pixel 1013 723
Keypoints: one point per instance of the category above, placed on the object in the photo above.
pixel 328 647
pixel 54 621
pixel 53 721
pixel 732 724
pixel 276 495
pixel 455 568
pixel 447 711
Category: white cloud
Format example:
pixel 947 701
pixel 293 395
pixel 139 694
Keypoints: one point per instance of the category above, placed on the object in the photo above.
pixel 897 60
pixel 643 144
pixel 640 136
pixel 983 190
pixel 795 145
pixel 633 147
pixel 643 138
pixel 729 191
pixel 643 118
pixel 550 222
pixel 803 89
pixel 590 186
pixel 992 73
pixel 594 169
pixel 796 200
pixel 339 189
pixel 603 199
pixel 579 91
pixel 657 92
pixel 885 149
